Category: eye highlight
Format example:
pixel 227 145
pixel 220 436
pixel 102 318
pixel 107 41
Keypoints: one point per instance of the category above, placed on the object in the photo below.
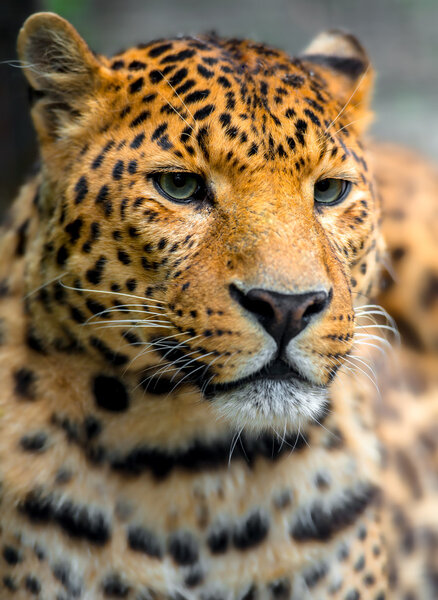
pixel 331 191
pixel 180 187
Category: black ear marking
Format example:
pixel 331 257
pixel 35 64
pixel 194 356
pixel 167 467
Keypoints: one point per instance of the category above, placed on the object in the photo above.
pixel 338 51
pixel 351 67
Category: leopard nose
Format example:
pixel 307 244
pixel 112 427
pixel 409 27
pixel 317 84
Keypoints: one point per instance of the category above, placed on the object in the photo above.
pixel 283 316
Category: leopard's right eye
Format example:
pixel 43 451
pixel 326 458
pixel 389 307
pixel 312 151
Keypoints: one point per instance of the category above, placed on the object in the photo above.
pixel 331 191
pixel 180 186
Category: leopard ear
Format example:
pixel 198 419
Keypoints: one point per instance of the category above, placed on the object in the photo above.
pixel 347 69
pixel 60 68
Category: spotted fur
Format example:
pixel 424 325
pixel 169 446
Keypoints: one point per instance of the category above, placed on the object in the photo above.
pixel 140 457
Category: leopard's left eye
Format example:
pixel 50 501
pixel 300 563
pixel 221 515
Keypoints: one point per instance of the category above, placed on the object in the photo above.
pixel 331 191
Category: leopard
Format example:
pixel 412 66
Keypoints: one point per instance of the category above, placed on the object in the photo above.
pixel 218 330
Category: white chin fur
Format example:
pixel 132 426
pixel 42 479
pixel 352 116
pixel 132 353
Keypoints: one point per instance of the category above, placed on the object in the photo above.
pixel 263 404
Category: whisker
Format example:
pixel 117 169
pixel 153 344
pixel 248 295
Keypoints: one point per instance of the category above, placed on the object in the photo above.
pixel 349 99
pixel 75 289
pixel 45 285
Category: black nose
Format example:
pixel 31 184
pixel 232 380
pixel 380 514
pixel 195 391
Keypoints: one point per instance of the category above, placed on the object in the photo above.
pixel 282 315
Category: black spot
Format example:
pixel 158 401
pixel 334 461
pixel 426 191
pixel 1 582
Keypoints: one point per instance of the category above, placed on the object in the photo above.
pixel 283 499
pixel 22 238
pixel 136 85
pixel 177 77
pixel 194 577
pixel 165 143
pixel 398 253
pixel 280 589
pixel 110 394
pixel 39 552
pixel 352 595
pixel 10 583
pixel 81 189
pixel 132 166
pixel 300 128
pixel 95 275
pixel 131 337
pixel 183 548
pixel 25 380
pixel 79 521
pixel 290 113
pixel 225 119
pixel 136 65
pixel 295 81
pixel 131 284
pixel 224 82
pixel 253 149
pixel 140 118
pixel 62 256
pixel 102 198
pixel 156 76
pixel 360 563
pixel 34 442
pixel 250 531
pixel 323 522
pixel 117 65
pixel 157 386
pixel 196 96
pixel 118 170
pixel 11 555
pixel 77 315
pixel 185 87
pixel 158 50
pixel 143 540
pixel 429 292
pixel 204 112
pixel 179 56
pixel 158 132
pixel 74 229
pixel 111 356
pixel 207 73
pixel 114 587
pixel 123 257
pixel 99 159
pixel 314 575
pixel 218 539
pixel 92 427
pixel 32 585
pixel 136 143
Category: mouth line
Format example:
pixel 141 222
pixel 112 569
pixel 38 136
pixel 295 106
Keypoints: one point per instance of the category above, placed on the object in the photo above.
pixel 276 370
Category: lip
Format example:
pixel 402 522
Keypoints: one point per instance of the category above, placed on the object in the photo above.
pixel 277 370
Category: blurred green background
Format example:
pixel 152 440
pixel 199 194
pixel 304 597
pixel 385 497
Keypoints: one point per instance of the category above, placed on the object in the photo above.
pixel 400 35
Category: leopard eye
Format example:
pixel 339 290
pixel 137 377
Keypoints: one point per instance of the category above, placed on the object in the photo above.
pixel 180 187
pixel 331 191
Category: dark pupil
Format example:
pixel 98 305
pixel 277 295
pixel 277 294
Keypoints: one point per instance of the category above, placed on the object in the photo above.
pixel 179 180
pixel 323 185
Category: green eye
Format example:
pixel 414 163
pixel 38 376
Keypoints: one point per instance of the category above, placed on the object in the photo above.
pixel 180 187
pixel 331 191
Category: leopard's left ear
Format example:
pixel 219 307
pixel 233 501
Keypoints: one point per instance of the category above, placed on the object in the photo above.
pixel 347 68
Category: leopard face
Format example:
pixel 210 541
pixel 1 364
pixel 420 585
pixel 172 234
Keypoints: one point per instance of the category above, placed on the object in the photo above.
pixel 207 214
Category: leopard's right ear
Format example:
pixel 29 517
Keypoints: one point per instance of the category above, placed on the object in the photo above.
pixel 60 68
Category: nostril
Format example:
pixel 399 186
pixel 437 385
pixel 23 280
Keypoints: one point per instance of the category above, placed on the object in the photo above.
pixel 257 306
pixel 317 304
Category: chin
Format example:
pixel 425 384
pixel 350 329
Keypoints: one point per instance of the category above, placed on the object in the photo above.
pixel 285 405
